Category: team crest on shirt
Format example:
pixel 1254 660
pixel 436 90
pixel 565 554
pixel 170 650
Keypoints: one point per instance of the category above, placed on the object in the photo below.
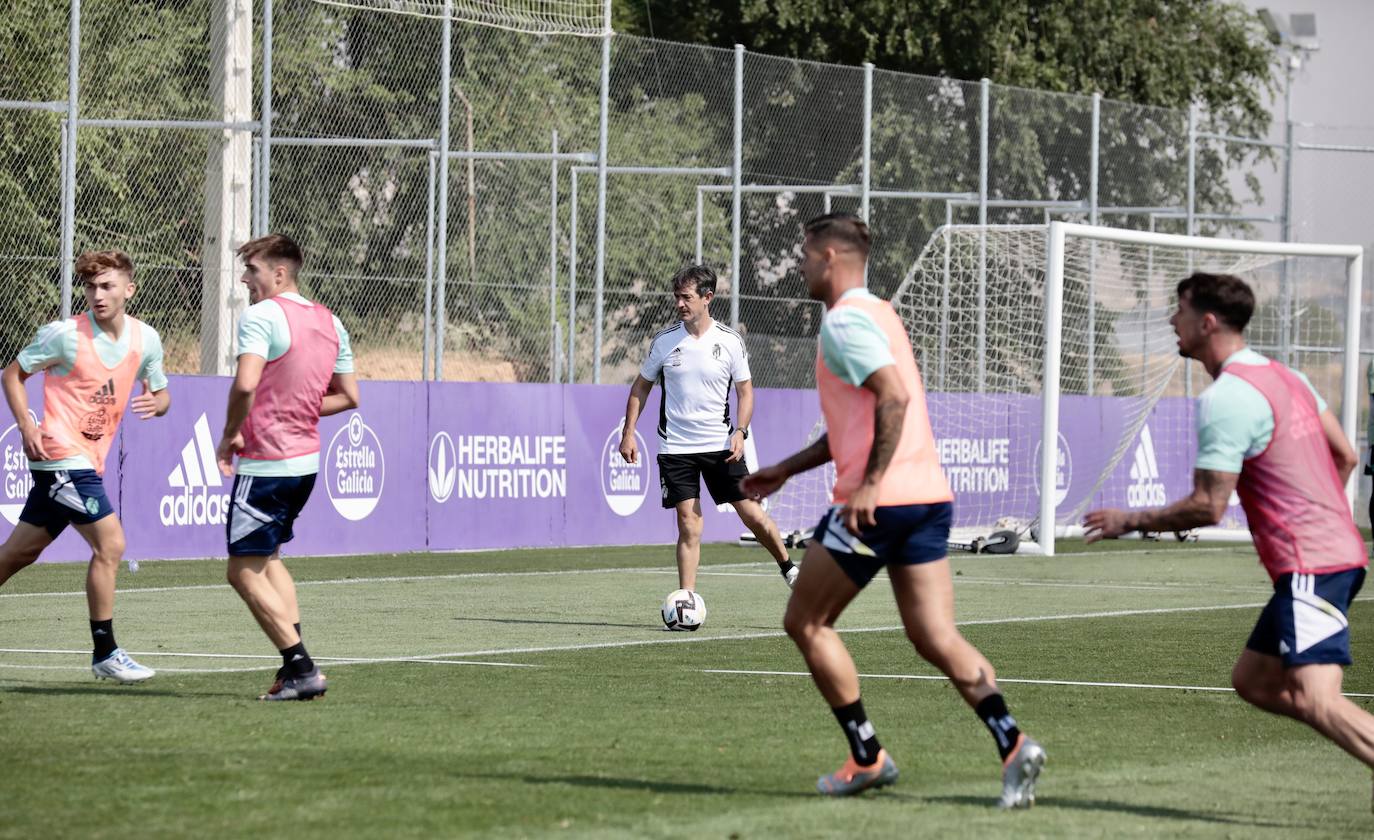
pixel 93 426
pixel 716 351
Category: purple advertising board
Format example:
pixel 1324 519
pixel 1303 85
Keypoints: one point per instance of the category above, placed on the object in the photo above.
pixel 462 466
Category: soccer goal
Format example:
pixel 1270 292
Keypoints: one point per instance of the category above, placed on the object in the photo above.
pixel 1053 375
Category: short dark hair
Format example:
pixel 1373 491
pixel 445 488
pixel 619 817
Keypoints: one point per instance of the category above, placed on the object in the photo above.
pixel 1224 295
pixel 700 275
pixel 93 263
pixel 274 247
pixel 843 228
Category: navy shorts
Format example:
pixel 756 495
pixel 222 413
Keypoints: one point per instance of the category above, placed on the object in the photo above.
pixel 905 534
pixel 1305 622
pixel 263 511
pixel 680 477
pixel 62 497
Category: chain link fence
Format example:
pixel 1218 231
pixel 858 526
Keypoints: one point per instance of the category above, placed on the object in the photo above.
pixel 176 164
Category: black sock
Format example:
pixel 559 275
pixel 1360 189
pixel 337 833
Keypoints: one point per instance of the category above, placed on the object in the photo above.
pixel 296 661
pixel 992 711
pixel 284 670
pixel 863 741
pixel 786 566
pixel 102 633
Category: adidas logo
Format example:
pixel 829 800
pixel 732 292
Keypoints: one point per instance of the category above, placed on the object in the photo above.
pixel 105 396
pixel 1146 489
pixel 194 476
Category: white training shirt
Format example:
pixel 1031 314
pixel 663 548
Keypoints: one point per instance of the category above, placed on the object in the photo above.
pixel 695 375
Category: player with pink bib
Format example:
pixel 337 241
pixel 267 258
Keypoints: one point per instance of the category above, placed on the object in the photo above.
pixel 294 367
pixel 892 509
pixel 90 364
pixel 1265 433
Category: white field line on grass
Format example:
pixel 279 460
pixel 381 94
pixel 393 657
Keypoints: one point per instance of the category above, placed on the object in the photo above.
pixel 674 638
pixel 665 570
pixel 942 678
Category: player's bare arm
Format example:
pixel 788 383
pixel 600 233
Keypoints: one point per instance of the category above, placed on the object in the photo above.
pixel 639 392
pixel 13 382
pixel 240 402
pixel 341 395
pixel 1204 506
pixel 151 403
pixel 745 392
pixel 769 480
pixel 1341 451
pixel 889 414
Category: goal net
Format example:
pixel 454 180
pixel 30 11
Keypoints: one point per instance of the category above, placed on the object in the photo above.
pixel 1112 414
pixel 542 17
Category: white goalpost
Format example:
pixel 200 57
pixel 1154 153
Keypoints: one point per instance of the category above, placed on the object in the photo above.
pixel 1053 376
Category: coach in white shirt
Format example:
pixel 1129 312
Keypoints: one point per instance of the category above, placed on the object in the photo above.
pixel 694 361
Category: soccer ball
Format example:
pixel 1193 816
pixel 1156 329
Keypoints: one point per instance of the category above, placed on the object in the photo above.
pixel 684 609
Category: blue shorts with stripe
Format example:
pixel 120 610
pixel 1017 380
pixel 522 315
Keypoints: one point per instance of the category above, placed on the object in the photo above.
pixel 263 510
pixel 1305 621
pixel 63 497
pixel 905 534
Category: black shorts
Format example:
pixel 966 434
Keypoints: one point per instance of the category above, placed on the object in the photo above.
pixel 905 534
pixel 60 497
pixel 263 512
pixel 680 477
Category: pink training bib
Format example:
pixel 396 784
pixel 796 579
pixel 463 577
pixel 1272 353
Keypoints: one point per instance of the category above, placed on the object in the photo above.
pixel 284 421
pixel 82 410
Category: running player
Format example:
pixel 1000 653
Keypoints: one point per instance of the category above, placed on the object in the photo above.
pixel 893 508
pixel 294 367
pixel 694 361
pixel 89 363
pixel 1264 433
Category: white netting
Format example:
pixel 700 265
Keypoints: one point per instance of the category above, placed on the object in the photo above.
pixel 973 304
pixel 541 17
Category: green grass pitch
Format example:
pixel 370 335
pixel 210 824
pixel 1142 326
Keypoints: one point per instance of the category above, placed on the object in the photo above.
pixel 534 694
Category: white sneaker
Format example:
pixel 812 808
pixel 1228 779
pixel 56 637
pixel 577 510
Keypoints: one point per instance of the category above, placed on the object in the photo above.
pixel 119 667
pixel 791 576
pixel 1019 774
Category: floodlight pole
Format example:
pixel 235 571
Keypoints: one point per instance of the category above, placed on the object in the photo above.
pixel 432 158
pixel 69 157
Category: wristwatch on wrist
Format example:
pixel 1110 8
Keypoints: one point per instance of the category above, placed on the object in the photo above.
pixel 744 432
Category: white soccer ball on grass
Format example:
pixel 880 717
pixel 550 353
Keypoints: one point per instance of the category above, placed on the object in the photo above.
pixel 684 609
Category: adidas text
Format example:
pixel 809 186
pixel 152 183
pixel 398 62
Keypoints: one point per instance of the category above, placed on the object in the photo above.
pixel 195 506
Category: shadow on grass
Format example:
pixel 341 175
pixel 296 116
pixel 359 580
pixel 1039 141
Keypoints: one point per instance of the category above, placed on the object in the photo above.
pixel 650 786
pixel 109 690
pixel 640 625
pixel 1071 804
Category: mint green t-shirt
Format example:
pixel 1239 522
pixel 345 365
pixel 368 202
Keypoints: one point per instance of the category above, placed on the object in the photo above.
pixel 853 346
pixel 1234 420
pixel 54 349
pixel 264 331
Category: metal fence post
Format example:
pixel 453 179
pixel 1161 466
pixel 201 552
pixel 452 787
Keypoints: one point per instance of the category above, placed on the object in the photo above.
pixel 69 151
pixel 265 130
pixel 441 247
pixel 736 197
pixel 553 260
pixel 1190 214
pixel 701 209
pixel 429 268
pixel 867 171
pixel 572 274
pixel 603 144
pixel 985 87
pixel 1092 255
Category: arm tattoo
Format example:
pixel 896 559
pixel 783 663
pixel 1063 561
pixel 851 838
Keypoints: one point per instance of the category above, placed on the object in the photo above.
pixel 887 432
